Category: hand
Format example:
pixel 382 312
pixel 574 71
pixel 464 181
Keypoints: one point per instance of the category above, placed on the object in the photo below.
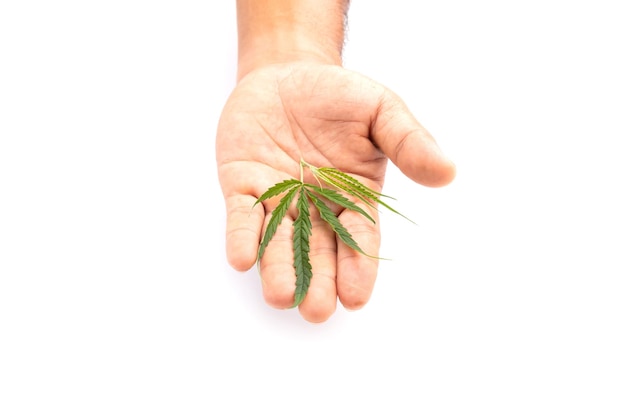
pixel 328 116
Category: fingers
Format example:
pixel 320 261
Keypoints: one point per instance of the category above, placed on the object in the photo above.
pixel 356 273
pixel 278 277
pixel 243 229
pixel 338 271
pixel 321 300
pixel 400 136
pixel 278 274
pixel 242 184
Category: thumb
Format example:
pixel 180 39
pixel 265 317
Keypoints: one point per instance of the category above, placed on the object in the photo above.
pixel 409 146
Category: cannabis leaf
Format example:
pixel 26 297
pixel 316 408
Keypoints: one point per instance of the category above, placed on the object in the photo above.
pixel 353 187
pixel 280 210
pixel 329 217
pixel 317 195
pixel 302 231
pixel 337 198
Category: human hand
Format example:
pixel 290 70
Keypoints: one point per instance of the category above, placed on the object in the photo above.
pixel 328 116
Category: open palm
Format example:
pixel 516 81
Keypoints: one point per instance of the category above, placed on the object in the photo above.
pixel 327 116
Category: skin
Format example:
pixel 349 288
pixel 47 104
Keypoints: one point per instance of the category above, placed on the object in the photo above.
pixel 304 105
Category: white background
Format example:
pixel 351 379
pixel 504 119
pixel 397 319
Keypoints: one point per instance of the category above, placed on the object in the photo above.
pixel 508 298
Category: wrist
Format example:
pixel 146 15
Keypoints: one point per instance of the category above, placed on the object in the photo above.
pixel 290 47
pixel 282 31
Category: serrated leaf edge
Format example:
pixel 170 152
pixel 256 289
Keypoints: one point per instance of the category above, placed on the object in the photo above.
pixel 302 230
pixel 336 197
pixel 278 214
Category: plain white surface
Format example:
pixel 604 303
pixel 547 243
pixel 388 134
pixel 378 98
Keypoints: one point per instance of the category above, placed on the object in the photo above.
pixel 508 299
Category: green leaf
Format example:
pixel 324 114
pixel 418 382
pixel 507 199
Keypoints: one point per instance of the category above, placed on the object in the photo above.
pixel 339 182
pixel 277 216
pixel 337 198
pixel 277 189
pixel 350 180
pixel 301 234
pixel 361 192
pixel 329 217
pixel 355 188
